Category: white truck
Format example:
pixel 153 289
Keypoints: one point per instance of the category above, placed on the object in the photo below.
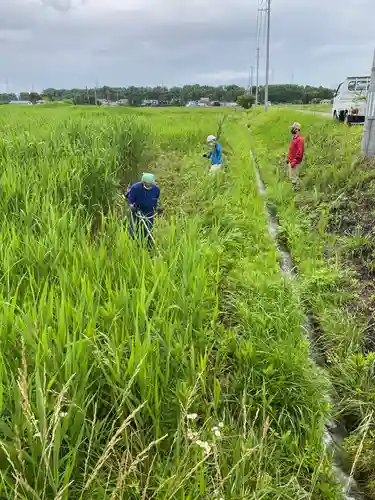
pixel 349 103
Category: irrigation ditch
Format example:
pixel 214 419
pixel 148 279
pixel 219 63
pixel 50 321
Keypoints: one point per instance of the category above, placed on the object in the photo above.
pixel 335 430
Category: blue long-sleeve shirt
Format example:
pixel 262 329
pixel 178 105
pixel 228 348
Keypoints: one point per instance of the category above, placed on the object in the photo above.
pixel 144 200
pixel 216 156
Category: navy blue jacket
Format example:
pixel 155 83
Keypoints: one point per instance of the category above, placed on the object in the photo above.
pixel 144 200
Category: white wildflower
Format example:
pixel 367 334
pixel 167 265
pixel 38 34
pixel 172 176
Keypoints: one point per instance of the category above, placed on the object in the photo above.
pixel 221 425
pixel 192 435
pixel 63 414
pixel 204 445
pixel 192 416
pixel 216 431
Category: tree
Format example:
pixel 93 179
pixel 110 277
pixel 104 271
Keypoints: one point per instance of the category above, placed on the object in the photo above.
pixel 24 96
pixel 5 98
pixel 246 100
pixel 179 96
pixel 34 97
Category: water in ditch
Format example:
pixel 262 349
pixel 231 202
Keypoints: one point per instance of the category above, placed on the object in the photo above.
pixel 334 433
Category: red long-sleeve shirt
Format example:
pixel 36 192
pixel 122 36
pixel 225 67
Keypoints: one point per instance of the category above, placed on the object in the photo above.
pixel 296 150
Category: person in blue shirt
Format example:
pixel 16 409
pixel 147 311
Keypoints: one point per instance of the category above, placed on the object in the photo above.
pixel 215 155
pixel 143 200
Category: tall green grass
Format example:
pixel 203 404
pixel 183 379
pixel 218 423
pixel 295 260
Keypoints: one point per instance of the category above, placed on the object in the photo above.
pixel 127 375
pixel 327 225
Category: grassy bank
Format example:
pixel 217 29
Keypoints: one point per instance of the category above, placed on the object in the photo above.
pixel 327 225
pixel 125 375
pixel 318 108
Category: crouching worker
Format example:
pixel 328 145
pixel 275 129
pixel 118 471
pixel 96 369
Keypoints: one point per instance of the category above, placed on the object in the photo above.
pixel 295 155
pixel 215 155
pixel 143 200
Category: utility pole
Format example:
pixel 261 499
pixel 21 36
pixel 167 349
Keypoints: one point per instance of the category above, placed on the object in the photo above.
pixel 251 79
pixel 95 97
pixel 257 79
pixel 368 139
pixel 268 54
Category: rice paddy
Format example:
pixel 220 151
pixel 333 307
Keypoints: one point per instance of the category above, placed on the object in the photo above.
pixel 183 374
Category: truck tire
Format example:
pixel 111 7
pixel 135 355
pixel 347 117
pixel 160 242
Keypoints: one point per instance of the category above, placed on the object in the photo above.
pixel 348 120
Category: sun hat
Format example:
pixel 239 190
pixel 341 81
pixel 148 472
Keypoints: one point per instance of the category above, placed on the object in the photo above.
pixel 295 125
pixel 149 178
pixel 211 138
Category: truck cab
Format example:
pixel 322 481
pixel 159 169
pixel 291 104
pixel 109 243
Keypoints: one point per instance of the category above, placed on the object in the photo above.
pixel 349 104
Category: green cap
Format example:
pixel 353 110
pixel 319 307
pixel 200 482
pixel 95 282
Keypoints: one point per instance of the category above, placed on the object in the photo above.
pixel 149 178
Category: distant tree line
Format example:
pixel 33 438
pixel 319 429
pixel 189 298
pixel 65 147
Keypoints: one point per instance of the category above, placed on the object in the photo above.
pixel 297 94
pixel 175 96
pixel 23 96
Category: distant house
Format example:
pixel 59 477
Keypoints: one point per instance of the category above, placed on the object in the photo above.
pixel 204 100
pixel 192 104
pixel 229 104
pixel 123 102
pixel 21 102
pixel 102 102
pixel 41 101
pixel 150 102
pixel 326 101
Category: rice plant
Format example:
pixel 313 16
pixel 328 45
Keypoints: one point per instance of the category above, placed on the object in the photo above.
pixel 131 375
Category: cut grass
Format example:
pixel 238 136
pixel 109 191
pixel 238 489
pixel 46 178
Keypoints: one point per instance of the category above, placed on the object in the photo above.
pixel 108 353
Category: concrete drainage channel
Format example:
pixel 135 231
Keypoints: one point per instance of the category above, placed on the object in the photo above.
pixel 334 434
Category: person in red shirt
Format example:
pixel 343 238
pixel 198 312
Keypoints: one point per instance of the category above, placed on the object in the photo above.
pixel 295 155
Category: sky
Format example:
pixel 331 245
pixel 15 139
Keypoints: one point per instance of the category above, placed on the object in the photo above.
pixel 78 43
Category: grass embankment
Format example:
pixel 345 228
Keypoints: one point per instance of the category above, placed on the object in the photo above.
pixel 318 108
pixel 328 227
pixel 108 353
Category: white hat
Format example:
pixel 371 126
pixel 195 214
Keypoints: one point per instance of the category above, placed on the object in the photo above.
pixel 295 125
pixel 211 138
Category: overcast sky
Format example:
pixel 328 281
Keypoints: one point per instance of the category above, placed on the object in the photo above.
pixel 74 43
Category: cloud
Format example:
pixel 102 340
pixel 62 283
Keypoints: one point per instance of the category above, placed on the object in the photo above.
pixel 62 5
pixel 221 76
pixel 73 43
